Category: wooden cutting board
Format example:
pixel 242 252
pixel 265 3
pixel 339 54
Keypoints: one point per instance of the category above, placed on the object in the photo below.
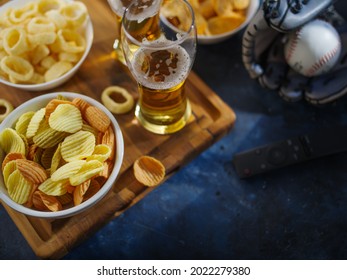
pixel 211 120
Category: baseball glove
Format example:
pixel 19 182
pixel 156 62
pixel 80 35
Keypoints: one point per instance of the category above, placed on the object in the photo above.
pixel 263 50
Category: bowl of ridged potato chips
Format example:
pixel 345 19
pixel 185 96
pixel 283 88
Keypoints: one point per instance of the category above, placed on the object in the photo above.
pixel 43 42
pixel 60 153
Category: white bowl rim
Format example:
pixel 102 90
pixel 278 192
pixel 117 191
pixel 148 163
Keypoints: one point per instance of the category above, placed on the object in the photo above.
pixel 103 191
pixel 47 85
pixel 210 39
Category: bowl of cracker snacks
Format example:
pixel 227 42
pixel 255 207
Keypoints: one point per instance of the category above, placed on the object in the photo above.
pixel 60 153
pixel 43 42
pixel 216 20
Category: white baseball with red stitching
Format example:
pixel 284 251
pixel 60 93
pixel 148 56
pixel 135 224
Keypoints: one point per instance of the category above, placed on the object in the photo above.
pixel 313 49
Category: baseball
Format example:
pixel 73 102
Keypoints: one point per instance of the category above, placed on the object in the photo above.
pixel 313 49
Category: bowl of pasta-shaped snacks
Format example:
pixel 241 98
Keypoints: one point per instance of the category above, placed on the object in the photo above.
pixel 60 153
pixel 43 42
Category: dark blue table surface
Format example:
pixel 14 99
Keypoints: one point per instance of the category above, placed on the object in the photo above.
pixel 206 212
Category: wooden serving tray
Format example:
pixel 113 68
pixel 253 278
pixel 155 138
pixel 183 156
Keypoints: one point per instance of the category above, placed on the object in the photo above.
pixel 211 120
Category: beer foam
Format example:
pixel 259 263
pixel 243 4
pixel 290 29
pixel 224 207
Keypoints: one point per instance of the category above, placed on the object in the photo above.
pixel 149 8
pixel 176 76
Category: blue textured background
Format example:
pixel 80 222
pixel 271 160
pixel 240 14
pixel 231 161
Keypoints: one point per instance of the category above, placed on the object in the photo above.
pixel 206 212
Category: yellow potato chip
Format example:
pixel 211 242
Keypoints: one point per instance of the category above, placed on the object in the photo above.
pixel 55 188
pixel 66 118
pixel 101 153
pixel 53 104
pixel 26 143
pixel 57 70
pixel 67 170
pixel 9 168
pixel 48 138
pixel 18 188
pixel 35 123
pixel 23 122
pixel 149 171
pixel 88 170
pixel 201 24
pixel 241 4
pixel 78 146
pixel 56 159
pixel 222 7
pixel 11 142
pixel 86 127
pixel 222 24
pixel 207 8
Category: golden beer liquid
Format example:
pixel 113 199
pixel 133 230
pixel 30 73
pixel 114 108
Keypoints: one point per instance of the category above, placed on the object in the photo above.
pixel 163 111
pixel 146 29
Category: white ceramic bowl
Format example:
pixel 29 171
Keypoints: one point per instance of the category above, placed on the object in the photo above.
pixel 35 104
pixel 89 36
pixel 213 39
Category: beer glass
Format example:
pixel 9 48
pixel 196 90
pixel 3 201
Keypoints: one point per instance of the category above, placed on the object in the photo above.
pixel 159 43
pixel 118 7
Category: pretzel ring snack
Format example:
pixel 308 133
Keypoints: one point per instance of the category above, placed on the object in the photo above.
pixel 18 68
pixel 8 106
pixel 117 107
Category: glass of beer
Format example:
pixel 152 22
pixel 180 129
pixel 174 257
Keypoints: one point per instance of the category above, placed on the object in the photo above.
pixel 118 7
pixel 159 43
